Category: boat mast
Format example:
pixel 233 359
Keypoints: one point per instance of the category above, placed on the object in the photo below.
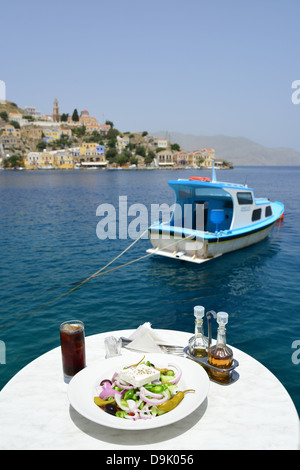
pixel 213 171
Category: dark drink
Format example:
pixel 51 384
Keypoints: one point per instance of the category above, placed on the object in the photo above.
pixel 72 348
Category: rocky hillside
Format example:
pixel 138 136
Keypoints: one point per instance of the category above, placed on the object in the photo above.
pixel 238 150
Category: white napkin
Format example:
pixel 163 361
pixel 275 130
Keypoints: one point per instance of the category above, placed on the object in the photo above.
pixel 144 338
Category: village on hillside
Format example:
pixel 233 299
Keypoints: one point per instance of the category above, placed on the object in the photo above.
pixel 30 140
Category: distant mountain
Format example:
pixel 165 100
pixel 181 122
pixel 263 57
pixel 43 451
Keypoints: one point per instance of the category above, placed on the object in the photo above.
pixel 238 150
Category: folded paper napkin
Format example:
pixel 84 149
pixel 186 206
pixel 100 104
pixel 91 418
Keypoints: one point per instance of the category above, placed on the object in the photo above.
pixel 145 339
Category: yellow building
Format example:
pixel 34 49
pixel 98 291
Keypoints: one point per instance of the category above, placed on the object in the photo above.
pixel 46 159
pixel 65 131
pixel 11 131
pixel 122 143
pixel 87 147
pixel 90 128
pixel 51 134
pixel 64 160
pixel 209 155
pixel 56 159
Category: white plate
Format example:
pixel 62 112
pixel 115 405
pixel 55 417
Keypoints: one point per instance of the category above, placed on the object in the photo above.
pixel 82 390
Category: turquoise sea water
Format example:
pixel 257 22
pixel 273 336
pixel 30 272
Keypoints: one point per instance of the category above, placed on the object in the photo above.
pixel 48 241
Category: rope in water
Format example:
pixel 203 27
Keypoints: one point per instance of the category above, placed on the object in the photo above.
pixel 98 273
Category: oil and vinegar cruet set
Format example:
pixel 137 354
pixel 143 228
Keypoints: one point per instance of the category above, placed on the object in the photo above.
pixel 217 359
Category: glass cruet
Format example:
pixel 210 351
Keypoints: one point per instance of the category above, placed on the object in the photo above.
pixel 198 343
pixel 220 355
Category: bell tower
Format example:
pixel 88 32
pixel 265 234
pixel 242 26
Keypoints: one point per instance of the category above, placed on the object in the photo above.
pixel 56 114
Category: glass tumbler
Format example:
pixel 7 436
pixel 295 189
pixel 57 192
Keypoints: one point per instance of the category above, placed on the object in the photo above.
pixel 72 342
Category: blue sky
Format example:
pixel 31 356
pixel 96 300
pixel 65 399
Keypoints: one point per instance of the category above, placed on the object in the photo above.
pixel 198 67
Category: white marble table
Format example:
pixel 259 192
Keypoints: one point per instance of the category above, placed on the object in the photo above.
pixel 256 412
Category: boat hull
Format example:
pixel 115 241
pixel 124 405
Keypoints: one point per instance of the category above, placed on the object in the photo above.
pixel 190 246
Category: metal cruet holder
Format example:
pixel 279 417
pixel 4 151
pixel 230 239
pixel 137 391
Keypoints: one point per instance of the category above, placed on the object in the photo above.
pixel 203 361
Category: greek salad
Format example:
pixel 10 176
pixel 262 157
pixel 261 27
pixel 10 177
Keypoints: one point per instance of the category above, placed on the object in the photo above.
pixel 140 391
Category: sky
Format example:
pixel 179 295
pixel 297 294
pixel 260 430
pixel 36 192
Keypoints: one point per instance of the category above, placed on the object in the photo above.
pixel 217 67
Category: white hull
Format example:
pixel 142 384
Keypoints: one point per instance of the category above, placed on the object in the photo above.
pixel 202 250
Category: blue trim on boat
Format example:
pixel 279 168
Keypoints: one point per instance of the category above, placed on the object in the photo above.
pixel 222 236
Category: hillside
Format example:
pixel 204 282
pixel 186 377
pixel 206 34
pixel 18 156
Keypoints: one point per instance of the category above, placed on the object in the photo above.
pixel 10 107
pixel 238 150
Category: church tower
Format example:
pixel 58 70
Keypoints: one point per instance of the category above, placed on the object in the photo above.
pixel 56 115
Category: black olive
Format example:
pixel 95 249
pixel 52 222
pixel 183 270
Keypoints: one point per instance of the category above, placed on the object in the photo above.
pixel 105 380
pixel 111 409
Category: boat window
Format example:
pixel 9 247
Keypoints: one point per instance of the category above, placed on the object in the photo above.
pixel 268 211
pixel 183 193
pixel 244 198
pixel 256 215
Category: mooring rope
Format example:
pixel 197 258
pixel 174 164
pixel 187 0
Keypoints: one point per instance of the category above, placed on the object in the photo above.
pixel 98 273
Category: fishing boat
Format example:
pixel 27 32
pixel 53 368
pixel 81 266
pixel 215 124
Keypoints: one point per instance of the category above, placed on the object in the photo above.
pixel 211 218
pixel 47 167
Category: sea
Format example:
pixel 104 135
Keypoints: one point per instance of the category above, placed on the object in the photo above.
pixel 50 241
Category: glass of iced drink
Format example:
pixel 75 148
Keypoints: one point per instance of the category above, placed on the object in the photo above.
pixel 72 348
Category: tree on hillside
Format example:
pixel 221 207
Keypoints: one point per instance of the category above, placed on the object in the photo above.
pixel 112 134
pixel 111 154
pixel 140 150
pixel 13 161
pixel 149 158
pixel 64 117
pixel 110 123
pixel 41 145
pixel 75 116
pixel 79 131
pixel 175 147
pixel 15 124
pixel 4 115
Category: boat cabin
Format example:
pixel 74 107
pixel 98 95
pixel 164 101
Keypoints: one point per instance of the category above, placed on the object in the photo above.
pixel 214 206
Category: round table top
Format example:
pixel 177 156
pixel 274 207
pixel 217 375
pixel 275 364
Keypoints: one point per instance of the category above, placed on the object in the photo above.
pixel 255 412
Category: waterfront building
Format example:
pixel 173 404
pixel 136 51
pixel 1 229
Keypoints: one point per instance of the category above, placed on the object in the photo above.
pixel 32 159
pixel 165 158
pixel 181 158
pixel 92 154
pixel 209 155
pixel 62 159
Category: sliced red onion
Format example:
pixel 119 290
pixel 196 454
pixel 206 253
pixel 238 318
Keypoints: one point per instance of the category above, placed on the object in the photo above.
pixel 125 385
pixel 114 376
pixel 109 392
pixel 153 401
pixel 133 417
pixel 151 394
pixel 132 405
pixel 144 415
pixel 178 374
